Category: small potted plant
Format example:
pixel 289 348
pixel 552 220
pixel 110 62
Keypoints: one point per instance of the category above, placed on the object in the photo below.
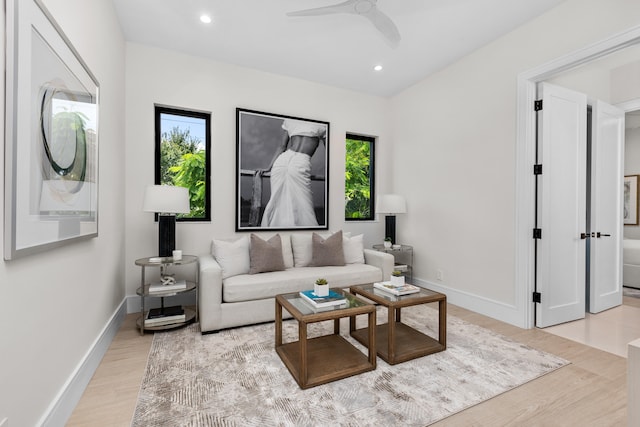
pixel 397 279
pixel 387 242
pixel 321 288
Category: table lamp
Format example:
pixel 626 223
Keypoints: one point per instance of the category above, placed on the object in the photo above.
pixel 166 201
pixel 391 204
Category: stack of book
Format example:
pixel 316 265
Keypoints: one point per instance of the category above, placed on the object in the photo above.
pixel 156 288
pixel 401 267
pixel 396 289
pixel 334 298
pixel 165 316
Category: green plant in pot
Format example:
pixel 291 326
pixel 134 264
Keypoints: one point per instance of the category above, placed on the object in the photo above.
pixel 387 242
pixel 321 287
pixel 397 278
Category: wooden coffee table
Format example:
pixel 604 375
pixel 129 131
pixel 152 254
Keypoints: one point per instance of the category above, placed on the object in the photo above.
pixel 397 342
pixel 315 361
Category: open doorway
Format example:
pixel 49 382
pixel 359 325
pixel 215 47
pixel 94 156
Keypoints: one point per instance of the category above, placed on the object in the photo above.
pixel 578 62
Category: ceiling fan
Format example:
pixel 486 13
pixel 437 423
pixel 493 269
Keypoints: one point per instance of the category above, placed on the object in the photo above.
pixel 365 8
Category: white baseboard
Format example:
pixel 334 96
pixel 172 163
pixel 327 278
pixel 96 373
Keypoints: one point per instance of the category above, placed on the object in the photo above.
pixel 479 304
pixel 65 402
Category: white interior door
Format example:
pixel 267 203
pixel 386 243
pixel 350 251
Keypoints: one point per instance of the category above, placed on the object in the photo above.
pixel 561 253
pixel 607 174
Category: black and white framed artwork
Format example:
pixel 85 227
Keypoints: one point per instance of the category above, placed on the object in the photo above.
pixel 282 170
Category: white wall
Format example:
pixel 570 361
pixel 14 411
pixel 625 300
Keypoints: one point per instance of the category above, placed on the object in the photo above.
pixel 156 76
pixel 55 304
pixel 456 133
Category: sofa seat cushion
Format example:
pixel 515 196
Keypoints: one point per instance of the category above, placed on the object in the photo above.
pixel 247 287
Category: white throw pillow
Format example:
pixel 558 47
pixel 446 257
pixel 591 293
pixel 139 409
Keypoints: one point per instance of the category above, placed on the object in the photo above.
pixel 353 248
pixel 233 256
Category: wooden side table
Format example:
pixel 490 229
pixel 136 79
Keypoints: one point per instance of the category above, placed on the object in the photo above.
pixel 397 342
pixel 319 360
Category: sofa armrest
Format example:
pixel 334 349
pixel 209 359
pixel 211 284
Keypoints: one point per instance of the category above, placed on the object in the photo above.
pixel 210 280
pixel 209 292
pixel 382 260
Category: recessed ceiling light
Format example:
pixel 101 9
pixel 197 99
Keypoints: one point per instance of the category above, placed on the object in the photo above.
pixel 206 19
pixel 378 68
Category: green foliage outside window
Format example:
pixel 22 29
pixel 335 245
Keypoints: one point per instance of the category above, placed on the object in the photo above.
pixel 183 164
pixel 190 173
pixel 358 178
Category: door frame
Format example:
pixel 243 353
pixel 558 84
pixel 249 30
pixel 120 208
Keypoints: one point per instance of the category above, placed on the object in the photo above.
pixel 525 157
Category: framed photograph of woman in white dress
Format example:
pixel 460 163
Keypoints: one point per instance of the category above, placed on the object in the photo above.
pixel 282 172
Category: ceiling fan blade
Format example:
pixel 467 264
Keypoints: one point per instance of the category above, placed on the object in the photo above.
pixel 385 25
pixel 345 7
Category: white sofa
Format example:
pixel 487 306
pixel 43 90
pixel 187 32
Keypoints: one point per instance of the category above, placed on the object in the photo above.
pixel 631 263
pixel 229 296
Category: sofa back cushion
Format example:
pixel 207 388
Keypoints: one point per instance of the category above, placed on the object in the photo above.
pixel 232 255
pixel 265 255
pixel 327 251
pixel 301 247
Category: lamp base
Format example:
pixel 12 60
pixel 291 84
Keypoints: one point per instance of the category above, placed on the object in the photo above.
pixel 390 228
pixel 167 235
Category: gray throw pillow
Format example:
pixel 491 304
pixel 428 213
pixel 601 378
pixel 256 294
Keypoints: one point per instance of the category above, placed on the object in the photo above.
pixel 265 255
pixel 327 251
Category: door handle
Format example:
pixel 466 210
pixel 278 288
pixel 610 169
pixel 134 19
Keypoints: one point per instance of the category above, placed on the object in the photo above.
pixel 584 236
pixel 598 235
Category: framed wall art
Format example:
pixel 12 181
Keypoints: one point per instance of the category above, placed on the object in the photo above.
pixel 630 200
pixel 51 139
pixel 282 170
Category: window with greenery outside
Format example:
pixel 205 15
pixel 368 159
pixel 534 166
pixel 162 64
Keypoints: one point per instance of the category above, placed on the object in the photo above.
pixel 182 156
pixel 359 178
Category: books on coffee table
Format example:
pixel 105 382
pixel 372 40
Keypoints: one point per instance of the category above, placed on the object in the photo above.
pixel 396 289
pixel 334 298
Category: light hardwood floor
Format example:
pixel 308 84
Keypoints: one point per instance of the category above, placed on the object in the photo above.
pixel 591 391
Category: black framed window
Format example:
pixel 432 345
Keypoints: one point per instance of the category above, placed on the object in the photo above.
pixel 359 178
pixel 182 156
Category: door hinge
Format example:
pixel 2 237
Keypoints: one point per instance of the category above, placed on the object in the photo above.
pixel 537 233
pixel 537 169
pixel 537 105
pixel 537 297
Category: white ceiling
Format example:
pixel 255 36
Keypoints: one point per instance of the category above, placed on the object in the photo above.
pixel 339 50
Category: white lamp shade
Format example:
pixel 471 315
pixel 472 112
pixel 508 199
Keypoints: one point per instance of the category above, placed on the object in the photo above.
pixel 166 199
pixel 391 204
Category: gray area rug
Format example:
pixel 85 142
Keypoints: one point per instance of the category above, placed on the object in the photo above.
pixel 235 378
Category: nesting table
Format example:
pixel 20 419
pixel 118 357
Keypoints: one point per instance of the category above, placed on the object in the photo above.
pixel 397 342
pixel 319 360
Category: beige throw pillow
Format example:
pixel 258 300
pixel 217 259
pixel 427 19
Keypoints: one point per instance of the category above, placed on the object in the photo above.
pixel 265 255
pixel 327 251
pixel 302 250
